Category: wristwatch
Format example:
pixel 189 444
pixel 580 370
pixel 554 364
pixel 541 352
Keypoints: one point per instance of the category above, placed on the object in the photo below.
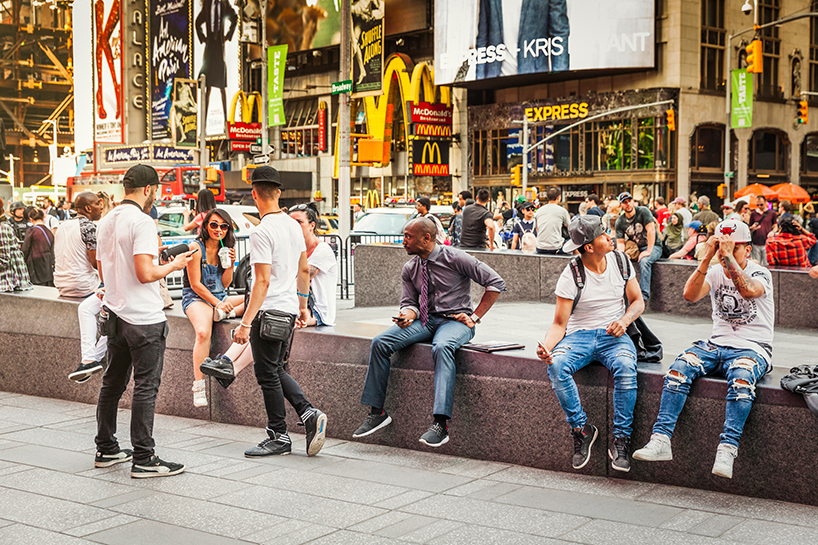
pixel 475 318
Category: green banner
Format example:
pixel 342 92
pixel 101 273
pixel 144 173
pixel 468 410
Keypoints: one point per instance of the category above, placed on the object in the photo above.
pixel 276 65
pixel 742 99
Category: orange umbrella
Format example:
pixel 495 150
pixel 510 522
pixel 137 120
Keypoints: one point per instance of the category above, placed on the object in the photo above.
pixel 755 189
pixel 791 192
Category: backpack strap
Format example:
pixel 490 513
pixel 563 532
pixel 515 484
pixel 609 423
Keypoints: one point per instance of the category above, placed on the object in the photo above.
pixel 625 271
pixel 578 274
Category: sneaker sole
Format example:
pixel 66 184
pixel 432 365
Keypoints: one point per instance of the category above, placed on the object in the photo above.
pixel 81 376
pixel 590 446
pixel 268 454
pixel 320 433
pixel 200 403
pixel 373 430
pixel 216 373
pixel 151 474
pixel 662 458
pixel 614 466
pixel 725 475
pixel 110 463
pixel 435 445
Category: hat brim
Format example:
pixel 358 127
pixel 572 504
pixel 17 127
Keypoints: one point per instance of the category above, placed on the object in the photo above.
pixel 267 180
pixel 570 246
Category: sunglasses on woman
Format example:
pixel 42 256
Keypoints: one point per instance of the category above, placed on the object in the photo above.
pixel 214 225
pixel 299 207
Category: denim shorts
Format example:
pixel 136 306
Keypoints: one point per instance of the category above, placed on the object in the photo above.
pixel 189 296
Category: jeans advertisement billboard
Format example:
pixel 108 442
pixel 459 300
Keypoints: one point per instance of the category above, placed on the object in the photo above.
pixel 171 46
pixel 481 39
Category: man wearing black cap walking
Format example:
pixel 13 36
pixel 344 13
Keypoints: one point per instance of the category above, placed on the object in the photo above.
pixel 127 256
pixel 278 303
pixel 590 324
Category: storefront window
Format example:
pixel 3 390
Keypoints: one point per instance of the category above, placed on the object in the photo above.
pixel 608 145
pixel 300 137
pixel 707 148
pixel 645 144
pixel 767 151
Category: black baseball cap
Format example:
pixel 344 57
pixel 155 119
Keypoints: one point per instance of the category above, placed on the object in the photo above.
pixel 266 174
pixel 527 204
pixel 140 176
pixel 583 230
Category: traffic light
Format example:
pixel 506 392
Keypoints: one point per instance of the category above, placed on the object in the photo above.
pixel 803 112
pixel 671 119
pixel 721 190
pixel 755 58
pixel 516 172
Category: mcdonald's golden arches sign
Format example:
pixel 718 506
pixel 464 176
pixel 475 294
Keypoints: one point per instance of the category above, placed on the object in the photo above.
pixel 430 157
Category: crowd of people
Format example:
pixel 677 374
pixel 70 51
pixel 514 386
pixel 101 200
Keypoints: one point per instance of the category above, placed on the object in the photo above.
pixel 109 256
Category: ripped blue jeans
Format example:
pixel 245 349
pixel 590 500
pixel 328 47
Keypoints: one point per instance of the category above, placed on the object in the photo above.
pixel 577 350
pixel 743 368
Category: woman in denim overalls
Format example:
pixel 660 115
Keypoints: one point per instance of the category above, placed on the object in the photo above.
pixel 204 298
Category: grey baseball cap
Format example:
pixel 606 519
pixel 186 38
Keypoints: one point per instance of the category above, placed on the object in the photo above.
pixel 583 230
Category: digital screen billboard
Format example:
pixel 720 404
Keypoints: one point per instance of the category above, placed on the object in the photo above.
pixel 482 39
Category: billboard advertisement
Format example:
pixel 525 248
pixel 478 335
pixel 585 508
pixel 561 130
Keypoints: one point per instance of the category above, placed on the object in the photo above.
pixel 184 113
pixel 216 55
pixel 108 71
pixel 481 39
pixel 170 48
pixel 367 47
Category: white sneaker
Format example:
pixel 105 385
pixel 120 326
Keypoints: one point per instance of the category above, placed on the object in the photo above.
pixel 657 449
pixel 725 454
pixel 199 393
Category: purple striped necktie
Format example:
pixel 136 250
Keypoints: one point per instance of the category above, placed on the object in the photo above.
pixel 424 293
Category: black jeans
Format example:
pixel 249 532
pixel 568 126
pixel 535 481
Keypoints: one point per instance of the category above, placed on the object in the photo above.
pixel 140 348
pixel 276 384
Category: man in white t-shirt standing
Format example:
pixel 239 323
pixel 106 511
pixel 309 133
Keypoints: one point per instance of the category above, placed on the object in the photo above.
pixel 75 275
pixel 128 255
pixel 281 286
pixel 739 348
pixel 589 325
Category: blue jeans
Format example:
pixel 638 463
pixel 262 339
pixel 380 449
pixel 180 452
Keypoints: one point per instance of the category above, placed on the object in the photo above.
pixel 646 269
pixel 706 358
pixel 576 351
pixel 446 335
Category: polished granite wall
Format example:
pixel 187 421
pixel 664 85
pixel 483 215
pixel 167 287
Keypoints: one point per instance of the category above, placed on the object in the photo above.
pixel 534 278
pixel 505 409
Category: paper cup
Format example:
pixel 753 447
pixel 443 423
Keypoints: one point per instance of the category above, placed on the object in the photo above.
pixel 224 257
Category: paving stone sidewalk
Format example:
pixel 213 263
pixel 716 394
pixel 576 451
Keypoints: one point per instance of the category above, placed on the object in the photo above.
pixel 352 493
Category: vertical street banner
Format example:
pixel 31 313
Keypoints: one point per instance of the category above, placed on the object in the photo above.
pixel 170 49
pixel 367 47
pixel 742 99
pixel 184 113
pixel 108 71
pixel 276 65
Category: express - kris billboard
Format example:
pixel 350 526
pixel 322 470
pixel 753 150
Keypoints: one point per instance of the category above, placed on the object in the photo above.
pixel 481 39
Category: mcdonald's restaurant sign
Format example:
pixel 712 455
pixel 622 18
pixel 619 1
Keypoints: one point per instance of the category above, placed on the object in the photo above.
pixel 429 157
pixel 244 129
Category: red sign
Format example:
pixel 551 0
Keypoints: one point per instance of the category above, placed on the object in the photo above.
pixel 240 145
pixel 244 131
pixel 436 114
pixel 322 129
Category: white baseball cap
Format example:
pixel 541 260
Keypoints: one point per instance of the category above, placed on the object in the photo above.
pixel 736 229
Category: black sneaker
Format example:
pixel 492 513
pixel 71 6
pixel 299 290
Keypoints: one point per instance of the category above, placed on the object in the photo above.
pixel 107 460
pixel 437 436
pixel 619 452
pixel 156 468
pixel 583 441
pixel 315 426
pixel 221 368
pixel 84 371
pixel 373 423
pixel 225 383
pixel 280 446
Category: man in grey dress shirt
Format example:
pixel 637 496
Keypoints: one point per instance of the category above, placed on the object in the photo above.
pixel 435 306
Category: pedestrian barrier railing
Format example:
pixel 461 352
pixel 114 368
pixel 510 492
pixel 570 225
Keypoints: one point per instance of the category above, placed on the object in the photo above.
pixel 349 250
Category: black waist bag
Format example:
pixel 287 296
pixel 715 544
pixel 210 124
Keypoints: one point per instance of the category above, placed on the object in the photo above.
pixel 276 326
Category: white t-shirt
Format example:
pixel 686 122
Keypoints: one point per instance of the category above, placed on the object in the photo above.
pixel 324 282
pixel 73 274
pixel 125 232
pixel 511 35
pixel 278 241
pixel 737 322
pixel 549 220
pixel 602 300
pixel 51 222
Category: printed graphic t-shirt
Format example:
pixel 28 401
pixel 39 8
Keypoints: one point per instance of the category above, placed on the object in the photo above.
pixel 635 228
pixel 737 322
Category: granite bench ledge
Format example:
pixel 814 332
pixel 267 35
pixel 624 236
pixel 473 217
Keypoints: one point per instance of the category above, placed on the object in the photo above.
pixel 504 410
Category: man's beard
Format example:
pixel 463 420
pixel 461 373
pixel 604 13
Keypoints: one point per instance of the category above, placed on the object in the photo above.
pixel 149 202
